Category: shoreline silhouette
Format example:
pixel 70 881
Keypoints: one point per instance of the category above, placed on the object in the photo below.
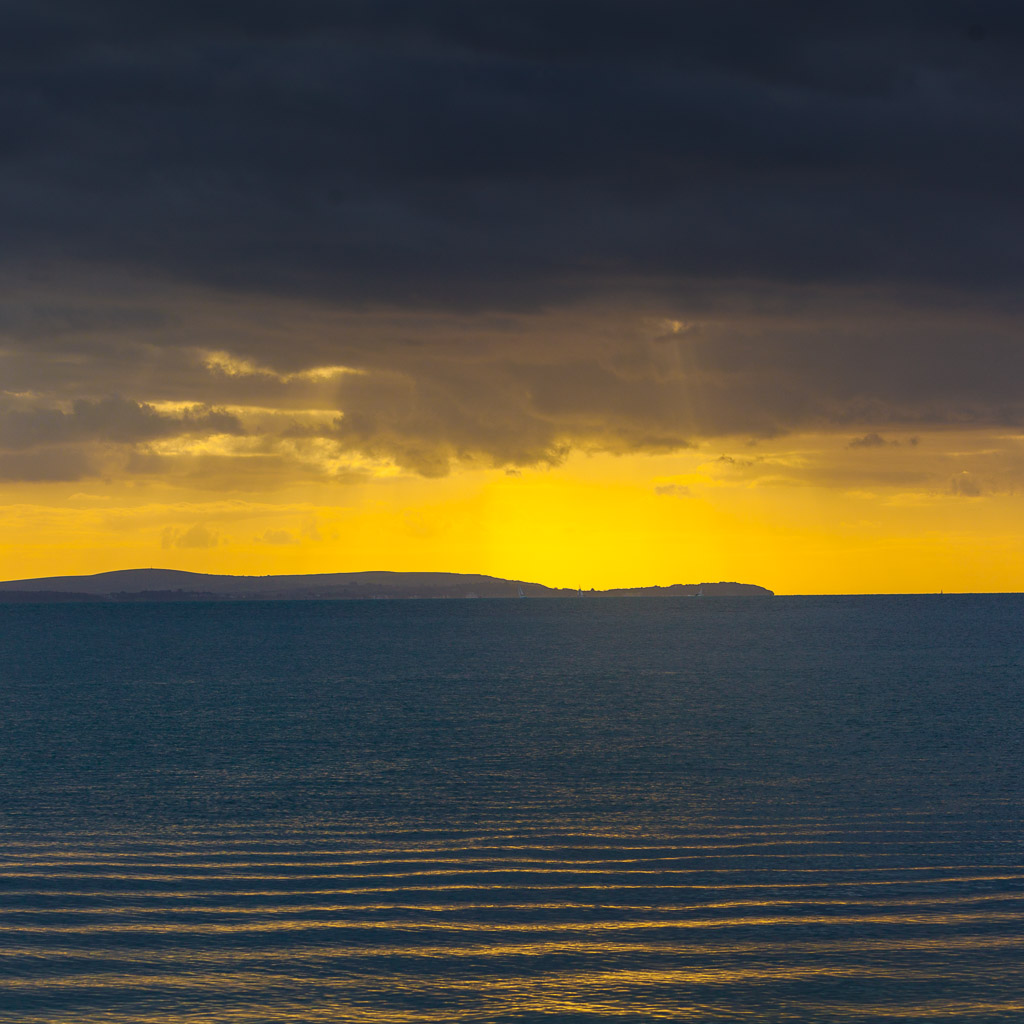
pixel 178 585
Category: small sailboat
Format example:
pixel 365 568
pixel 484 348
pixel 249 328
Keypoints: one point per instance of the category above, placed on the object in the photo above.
pixel 519 588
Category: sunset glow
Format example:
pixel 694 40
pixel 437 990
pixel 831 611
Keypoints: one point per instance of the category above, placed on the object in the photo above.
pixel 664 317
pixel 770 513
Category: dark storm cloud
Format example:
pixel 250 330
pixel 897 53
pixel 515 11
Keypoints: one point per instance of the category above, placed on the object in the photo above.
pixel 465 153
pixel 114 419
pixel 482 207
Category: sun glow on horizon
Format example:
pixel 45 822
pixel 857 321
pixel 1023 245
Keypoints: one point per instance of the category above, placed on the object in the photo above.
pixel 774 515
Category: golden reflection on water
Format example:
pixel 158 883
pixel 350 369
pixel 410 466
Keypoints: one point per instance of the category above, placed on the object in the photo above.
pixel 529 886
pixel 599 993
pixel 239 980
pixel 395 854
pixel 454 926
pixel 442 908
pixel 312 954
pixel 482 926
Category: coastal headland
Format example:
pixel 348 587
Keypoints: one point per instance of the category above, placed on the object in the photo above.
pixel 176 585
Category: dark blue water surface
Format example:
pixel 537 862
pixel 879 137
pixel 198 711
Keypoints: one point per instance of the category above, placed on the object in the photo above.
pixel 637 809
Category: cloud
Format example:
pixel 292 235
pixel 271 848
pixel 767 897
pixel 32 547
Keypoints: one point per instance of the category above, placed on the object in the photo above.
pixel 965 485
pixel 871 440
pixel 196 536
pixel 514 152
pixel 673 490
pixel 24 424
pixel 40 440
pixel 435 234
pixel 428 391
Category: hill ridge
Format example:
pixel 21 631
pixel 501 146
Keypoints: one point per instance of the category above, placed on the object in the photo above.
pixel 181 584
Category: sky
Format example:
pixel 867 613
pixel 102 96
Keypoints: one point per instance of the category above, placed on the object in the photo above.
pixel 585 292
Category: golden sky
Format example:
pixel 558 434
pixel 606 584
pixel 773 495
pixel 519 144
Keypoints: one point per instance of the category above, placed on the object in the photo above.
pixel 812 515
pixel 692 295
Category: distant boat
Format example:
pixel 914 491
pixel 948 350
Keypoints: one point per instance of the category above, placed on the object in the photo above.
pixel 520 589
pixel 700 592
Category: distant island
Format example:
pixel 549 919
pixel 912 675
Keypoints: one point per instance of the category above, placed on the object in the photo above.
pixel 175 585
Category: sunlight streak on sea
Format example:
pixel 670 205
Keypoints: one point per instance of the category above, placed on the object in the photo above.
pixel 321 924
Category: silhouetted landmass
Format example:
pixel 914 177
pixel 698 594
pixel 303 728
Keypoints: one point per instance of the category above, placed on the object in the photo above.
pixel 720 589
pixel 175 585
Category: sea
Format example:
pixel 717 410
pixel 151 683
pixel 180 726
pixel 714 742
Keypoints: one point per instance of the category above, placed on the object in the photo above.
pixel 785 809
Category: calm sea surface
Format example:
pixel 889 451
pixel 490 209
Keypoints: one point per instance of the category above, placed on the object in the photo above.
pixel 793 809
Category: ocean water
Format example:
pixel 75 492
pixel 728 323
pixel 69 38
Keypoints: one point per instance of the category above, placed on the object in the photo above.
pixel 793 809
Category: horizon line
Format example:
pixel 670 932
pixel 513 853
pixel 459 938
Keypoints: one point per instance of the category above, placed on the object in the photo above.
pixel 449 572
